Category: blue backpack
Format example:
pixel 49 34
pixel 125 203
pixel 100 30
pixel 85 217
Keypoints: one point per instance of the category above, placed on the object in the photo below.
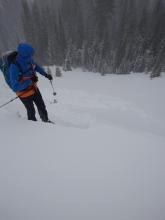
pixel 5 62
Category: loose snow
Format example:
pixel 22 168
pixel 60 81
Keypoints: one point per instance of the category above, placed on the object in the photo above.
pixel 102 160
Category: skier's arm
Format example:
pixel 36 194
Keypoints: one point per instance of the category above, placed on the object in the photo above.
pixel 16 85
pixel 40 70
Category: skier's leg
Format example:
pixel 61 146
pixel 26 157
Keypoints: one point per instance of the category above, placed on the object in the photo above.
pixel 28 103
pixel 38 100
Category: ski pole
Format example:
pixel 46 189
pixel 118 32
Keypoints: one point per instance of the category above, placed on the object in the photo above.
pixel 54 93
pixel 9 102
pixel 1 106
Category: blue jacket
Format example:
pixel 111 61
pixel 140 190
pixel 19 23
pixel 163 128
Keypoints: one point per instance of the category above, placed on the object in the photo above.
pixel 25 61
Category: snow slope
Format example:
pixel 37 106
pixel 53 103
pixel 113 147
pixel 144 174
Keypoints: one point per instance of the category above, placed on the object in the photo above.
pixel 104 158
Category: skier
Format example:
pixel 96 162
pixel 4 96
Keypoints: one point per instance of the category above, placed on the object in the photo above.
pixel 23 80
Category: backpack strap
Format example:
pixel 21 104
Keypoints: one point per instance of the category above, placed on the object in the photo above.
pixel 21 76
pixel 32 67
pixel 19 67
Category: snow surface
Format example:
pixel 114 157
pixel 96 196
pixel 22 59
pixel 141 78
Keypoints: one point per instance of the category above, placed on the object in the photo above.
pixel 103 160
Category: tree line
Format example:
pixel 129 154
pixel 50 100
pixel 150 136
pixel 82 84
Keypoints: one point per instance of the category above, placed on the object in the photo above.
pixel 105 36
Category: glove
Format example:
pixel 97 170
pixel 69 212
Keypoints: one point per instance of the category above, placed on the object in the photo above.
pixel 34 79
pixel 49 76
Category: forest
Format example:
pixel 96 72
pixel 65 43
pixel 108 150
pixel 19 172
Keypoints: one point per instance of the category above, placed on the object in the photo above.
pixel 105 36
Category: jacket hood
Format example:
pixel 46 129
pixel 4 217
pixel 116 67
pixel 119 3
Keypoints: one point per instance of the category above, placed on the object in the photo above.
pixel 25 51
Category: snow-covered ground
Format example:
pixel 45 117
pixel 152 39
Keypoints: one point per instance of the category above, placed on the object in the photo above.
pixel 103 160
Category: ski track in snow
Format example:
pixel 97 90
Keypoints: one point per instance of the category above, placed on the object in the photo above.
pixel 85 110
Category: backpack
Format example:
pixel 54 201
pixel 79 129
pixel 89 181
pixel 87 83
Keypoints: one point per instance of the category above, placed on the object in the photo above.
pixel 5 61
